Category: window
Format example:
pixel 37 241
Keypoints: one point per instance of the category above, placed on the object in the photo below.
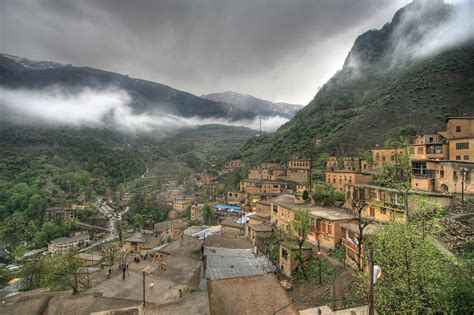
pixel 462 145
pixel 430 139
pixel 466 157
pixel 383 210
pixel 275 209
pixel 458 128
pixel 323 227
pixel 284 254
pixel 329 229
pixel 458 157
pixel 420 150
pixel 441 173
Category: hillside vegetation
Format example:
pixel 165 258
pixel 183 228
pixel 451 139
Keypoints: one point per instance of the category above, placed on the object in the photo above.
pixel 377 90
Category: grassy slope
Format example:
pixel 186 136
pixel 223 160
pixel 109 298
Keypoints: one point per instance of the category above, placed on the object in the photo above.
pixel 350 114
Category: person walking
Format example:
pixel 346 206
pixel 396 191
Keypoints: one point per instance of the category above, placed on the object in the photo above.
pixel 151 285
pixel 124 269
pixel 110 272
pixel 128 274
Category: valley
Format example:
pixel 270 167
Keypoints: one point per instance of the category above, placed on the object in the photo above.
pixel 125 195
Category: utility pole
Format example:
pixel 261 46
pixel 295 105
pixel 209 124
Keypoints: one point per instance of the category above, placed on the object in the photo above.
pixel 143 288
pixel 371 279
pixel 463 175
pixel 319 264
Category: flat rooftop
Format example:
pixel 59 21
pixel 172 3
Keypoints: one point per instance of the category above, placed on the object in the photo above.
pixel 332 214
pixel 260 294
pixel 225 263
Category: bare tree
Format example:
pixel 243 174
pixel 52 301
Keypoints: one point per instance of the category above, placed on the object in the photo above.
pixel 358 204
pixel 299 229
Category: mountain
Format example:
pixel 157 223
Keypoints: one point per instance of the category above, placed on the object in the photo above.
pixel 146 96
pixel 406 73
pixel 258 106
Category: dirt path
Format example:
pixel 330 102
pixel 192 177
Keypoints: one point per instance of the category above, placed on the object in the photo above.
pixel 341 278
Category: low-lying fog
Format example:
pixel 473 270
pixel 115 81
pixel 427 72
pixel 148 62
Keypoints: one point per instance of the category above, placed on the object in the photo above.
pixel 105 107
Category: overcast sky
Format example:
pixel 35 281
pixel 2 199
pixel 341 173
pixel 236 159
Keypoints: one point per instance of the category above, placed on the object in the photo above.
pixel 273 49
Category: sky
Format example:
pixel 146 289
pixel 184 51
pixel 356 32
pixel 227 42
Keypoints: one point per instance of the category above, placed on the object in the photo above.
pixel 277 50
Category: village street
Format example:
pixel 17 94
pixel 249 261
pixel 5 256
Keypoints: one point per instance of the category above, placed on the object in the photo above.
pixel 182 269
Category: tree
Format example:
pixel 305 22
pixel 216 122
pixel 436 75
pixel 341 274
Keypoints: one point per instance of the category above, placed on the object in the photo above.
pixel 33 272
pixel 63 271
pixel 208 215
pixel 299 229
pixel 49 231
pixel 416 274
pixel 119 228
pixel 138 220
pixel 358 204
pixel 111 252
pixel 398 175
pixel 327 195
pixel 305 195
pixel 426 216
pixel 14 229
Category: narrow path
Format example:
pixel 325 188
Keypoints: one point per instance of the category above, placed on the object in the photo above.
pixel 341 278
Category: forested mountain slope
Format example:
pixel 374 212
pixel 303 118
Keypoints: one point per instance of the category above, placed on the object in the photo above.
pixel 390 79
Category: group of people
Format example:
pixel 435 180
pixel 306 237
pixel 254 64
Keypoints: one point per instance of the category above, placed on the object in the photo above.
pixel 139 258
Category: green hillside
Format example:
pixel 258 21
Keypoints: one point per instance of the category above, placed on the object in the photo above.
pixel 360 105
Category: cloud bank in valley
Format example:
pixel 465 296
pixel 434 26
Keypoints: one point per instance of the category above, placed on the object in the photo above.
pixel 105 108
pixel 276 50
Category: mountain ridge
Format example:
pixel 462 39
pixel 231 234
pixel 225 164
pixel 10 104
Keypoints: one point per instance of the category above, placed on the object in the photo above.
pixel 260 107
pixel 362 103
pixel 146 95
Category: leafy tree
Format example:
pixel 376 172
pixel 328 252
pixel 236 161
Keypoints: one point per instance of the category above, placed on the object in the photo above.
pixel 138 220
pixel 14 229
pixel 416 274
pixel 5 276
pixel 49 231
pixel 33 272
pixel 298 230
pixel 119 227
pixel 426 215
pixel 208 215
pixel 326 195
pixel 398 133
pixel 137 204
pixel 19 252
pixel 63 271
pixel 305 195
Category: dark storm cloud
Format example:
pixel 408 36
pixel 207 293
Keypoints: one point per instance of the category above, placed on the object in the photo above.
pixel 278 50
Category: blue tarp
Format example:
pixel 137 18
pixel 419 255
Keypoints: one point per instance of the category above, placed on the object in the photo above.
pixel 225 207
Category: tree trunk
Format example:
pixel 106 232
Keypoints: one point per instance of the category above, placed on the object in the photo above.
pixel 407 210
pixel 301 259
